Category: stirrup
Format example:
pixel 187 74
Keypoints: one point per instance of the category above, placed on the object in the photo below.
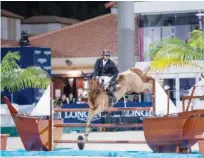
pixel 114 100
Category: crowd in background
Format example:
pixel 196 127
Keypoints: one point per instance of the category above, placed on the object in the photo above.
pixel 60 101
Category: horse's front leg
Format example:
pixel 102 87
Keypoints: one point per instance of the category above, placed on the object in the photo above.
pixel 88 124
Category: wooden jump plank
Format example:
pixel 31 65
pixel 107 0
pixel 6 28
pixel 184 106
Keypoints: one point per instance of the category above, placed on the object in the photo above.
pixel 99 125
pixel 199 137
pixel 103 141
pixel 108 110
pixel 193 97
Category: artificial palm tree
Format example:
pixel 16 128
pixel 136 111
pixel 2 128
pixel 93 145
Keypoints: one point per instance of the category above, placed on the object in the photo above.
pixel 175 52
pixel 15 78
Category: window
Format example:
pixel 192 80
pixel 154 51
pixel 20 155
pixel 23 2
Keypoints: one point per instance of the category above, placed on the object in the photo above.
pixel 185 85
pixel 171 83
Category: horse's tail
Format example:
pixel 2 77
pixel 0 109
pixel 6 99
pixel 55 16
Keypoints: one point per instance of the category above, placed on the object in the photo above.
pixel 143 75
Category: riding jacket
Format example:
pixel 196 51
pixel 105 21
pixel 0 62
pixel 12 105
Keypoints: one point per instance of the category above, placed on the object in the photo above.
pixel 109 69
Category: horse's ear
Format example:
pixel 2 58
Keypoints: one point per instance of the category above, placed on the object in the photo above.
pixel 89 81
pixel 121 77
pixel 83 74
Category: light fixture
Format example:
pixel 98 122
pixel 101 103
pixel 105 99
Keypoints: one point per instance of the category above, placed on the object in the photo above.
pixel 68 62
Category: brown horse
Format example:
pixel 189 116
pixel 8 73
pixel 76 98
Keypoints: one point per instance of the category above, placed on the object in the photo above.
pixel 132 80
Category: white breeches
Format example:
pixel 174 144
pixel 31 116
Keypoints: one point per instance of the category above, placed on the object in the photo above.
pixel 105 80
pixel 102 79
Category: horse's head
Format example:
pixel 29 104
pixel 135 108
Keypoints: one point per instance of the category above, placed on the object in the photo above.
pixel 94 85
pixel 86 77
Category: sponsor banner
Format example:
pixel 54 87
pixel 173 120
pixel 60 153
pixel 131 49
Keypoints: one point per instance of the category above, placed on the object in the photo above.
pixel 30 56
pixel 81 117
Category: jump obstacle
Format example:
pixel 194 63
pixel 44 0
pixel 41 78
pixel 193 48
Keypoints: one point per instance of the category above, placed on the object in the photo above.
pixel 179 131
pixel 174 138
pixel 80 141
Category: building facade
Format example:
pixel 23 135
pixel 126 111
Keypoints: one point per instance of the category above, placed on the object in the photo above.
pixel 10 26
pixel 75 48
pixel 42 24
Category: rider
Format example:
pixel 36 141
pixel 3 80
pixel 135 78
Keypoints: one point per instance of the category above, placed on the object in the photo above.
pixel 106 71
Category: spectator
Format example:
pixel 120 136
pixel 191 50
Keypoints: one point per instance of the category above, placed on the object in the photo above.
pixel 126 98
pixel 65 100
pixel 79 100
pixel 136 98
pixel 71 99
pixel 58 103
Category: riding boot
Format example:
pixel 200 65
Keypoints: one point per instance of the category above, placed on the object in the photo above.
pixel 110 92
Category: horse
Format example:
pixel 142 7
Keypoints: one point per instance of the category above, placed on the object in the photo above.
pixel 132 80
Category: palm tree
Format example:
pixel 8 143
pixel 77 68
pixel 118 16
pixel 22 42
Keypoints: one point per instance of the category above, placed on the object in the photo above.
pixel 15 78
pixel 175 52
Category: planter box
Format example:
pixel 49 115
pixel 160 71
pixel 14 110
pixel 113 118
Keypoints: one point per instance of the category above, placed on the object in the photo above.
pixel 4 141
pixel 201 146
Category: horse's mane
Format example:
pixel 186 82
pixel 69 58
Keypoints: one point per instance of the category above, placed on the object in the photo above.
pixel 144 77
pixel 95 89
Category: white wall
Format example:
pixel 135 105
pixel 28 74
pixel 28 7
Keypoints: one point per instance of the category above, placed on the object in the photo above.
pixel 4 28
pixel 85 61
pixel 40 28
pixel 8 24
pixel 60 62
pixel 18 29
pixel 54 26
pixel 158 7
pixel 167 6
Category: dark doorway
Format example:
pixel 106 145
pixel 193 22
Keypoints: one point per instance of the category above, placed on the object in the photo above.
pixel 70 87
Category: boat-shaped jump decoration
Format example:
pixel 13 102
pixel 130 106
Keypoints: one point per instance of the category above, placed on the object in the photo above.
pixel 35 131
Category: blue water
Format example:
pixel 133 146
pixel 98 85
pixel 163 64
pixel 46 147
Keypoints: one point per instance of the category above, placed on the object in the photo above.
pixel 70 152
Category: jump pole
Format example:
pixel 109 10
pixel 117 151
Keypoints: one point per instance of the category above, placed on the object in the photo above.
pixel 154 97
pixel 125 125
pixel 51 119
pixel 107 110
pixel 103 141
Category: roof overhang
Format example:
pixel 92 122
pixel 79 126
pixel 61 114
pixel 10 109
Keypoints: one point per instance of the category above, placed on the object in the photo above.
pixel 85 64
pixel 166 7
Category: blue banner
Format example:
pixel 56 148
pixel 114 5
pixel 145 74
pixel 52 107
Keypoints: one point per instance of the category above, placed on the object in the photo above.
pixel 30 56
pixel 128 116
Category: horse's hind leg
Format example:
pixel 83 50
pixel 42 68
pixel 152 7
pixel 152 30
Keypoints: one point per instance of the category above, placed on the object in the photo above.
pixel 88 124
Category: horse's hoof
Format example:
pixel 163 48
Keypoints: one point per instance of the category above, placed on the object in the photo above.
pixel 81 144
